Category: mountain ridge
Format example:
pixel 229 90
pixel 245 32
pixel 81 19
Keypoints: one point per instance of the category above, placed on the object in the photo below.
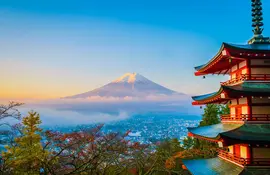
pixel 128 85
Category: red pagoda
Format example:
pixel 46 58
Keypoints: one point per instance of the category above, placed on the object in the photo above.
pixel 244 135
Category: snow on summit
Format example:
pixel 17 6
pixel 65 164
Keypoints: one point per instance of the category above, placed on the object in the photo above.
pixel 128 86
pixel 131 78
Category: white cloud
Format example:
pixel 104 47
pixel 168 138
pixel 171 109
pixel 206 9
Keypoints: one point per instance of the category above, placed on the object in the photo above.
pixel 70 117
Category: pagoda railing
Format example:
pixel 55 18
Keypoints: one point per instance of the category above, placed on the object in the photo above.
pixel 247 77
pixel 244 161
pixel 246 117
pixel 232 157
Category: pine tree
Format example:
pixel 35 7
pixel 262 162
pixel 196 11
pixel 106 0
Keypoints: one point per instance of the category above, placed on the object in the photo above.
pixel 27 155
pixel 211 115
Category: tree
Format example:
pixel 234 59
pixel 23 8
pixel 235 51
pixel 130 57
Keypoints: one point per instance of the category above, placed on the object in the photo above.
pixel 196 148
pixel 10 110
pixel 224 109
pixel 211 115
pixel 27 155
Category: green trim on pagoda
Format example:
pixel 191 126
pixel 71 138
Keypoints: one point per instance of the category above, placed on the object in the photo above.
pixel 250 47
pixel 248 89
pixel 259 40
pixel 213 131
pixel 255 171
pixel 213 166
pixel 235 133
pixel 259 133
pixel 244 89
pixel 205 96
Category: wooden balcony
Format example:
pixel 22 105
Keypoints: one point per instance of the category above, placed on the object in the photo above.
pixel 244 161
pixel 247 77
pixel 246 117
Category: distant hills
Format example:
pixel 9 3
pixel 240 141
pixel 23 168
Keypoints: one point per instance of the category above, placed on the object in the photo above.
pixel 128 85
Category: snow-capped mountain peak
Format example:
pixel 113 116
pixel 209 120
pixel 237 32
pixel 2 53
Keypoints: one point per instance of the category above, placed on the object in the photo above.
pixel 128 85
pixel 131 78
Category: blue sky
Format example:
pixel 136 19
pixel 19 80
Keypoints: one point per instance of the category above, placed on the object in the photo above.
pixel 60 48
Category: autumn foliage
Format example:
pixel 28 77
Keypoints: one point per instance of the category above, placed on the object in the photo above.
pixel 87 151
pixel 90 151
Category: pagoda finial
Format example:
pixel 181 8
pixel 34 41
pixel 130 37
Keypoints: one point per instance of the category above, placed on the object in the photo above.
pixel 257 17
pixel 257 24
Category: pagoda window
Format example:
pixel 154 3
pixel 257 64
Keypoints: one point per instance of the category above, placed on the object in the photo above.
pixel 233 75
pixel 232 111
pixel 230 148
pixel 243 151
pixel 244 110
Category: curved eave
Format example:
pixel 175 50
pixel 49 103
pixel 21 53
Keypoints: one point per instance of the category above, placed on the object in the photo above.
pixel 219 62
pixel 215 139
pixel 225 93
pixel 215 97
pixel 200 69
pixel 248 89
pixel 249 47
pixel 248 133
pixel 212 166
pixel 212 132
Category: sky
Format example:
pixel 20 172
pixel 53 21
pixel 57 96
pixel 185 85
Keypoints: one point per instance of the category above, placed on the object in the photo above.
pixel 57 48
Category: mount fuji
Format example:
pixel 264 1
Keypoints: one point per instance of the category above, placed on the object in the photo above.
pixel 129 85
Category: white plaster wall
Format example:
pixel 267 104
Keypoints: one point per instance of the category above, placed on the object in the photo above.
pixel 234 102
pixel 243 100
pixel 234 68
pixel 242 64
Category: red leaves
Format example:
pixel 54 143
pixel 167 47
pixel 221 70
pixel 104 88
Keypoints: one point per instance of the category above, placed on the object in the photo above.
pixel 87 150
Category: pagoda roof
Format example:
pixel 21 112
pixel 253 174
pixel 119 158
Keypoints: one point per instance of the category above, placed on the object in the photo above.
pixel 209 98
pixel 213 166
pixel 205 96
pixel 258 133
pixel 241 133
pixel 249 88
pixel 250 47
pixel 219 64
pixel 213 131
pixel 244 89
